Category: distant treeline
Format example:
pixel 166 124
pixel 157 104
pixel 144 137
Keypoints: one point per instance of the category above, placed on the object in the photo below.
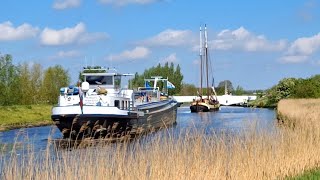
pixel 222 88
pixel 29 83
pixel 292 88
pixel 167 71
pixel 26 84
pixel 184 89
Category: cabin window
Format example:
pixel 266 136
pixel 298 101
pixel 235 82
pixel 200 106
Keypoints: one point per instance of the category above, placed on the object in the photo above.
pixel 116 103
pixel 117 81
pixel 122 105
pixel 98 80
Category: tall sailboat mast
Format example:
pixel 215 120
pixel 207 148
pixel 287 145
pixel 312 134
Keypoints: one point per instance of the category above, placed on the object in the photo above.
pixel 201 63
pixel 206 56
pixel 209 102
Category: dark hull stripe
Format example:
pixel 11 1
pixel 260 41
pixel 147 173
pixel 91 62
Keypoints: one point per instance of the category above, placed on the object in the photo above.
pixel 200 108
pixel 78 126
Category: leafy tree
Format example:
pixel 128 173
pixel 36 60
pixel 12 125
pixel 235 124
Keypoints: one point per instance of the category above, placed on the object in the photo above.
pixel 177 80
pixel 54 78
pixel 30 83
pixel 173 74
pixel 136 82
pixel 239 91
pixel 307 88
pixel 282 90
pixel 9 82
pixel 291 88
pixel 188 90
pixel 220 89
pixel 36 83
pixel 25 84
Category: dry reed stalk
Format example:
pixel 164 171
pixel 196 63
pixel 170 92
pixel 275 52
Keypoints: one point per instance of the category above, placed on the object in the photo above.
pixel 190 155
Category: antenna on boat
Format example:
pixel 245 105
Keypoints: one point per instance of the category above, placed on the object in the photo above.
pixel 92 64
pixel 85 61
pixel 200 55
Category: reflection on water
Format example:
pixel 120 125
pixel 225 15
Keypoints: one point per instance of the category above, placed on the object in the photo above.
pixel 228 119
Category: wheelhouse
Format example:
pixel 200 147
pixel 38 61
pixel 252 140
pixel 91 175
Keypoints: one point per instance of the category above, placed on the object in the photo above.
pixel 106 80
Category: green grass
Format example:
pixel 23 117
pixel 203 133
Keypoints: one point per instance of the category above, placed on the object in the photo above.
pixel 18 116
pixel 261 103
pixel 312 174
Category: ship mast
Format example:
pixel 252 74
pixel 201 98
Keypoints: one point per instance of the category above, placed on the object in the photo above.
pixel 206 56
pixel 201 64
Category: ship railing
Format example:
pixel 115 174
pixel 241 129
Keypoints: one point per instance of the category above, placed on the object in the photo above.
pixel 131 106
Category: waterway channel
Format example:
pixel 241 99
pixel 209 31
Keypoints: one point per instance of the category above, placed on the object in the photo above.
pixel 227 119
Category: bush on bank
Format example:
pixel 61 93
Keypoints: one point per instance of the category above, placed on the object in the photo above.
pixel 290 88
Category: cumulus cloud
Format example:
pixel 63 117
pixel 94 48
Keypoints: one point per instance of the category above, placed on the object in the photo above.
pixel 293 59
pixel 10 33
pixel 305 45
pixel 66 54
pixel 301 49
pixel 171 58
pixel 196 62
pixel 170 37
pixel 134 54
pixel 65 4
pixel 242 39
pixel 74 35
pixel 126 2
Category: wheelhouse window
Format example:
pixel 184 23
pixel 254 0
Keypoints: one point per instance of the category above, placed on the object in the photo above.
pixel 117 81
pixel 99 80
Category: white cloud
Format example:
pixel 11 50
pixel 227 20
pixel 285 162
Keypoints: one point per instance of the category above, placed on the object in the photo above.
pixel 134 54
pixel 242 39
pixel 126 2
pixel 305 45
pixel 64 4
pixel 66 54
pixel 196 62
pixel 293 59
pixel 170 37
pixel 171 58
pixel 68 35
pixel 92 37
pixel 10 33
pixel 301 49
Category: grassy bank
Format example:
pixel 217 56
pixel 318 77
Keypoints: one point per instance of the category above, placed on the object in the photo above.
pixel 262 102
pixel 280 154
pixel 12 117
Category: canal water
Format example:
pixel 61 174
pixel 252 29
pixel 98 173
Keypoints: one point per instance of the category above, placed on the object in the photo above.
pixel 227 119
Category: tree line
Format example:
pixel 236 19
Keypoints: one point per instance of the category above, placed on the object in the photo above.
pixel 26 84
pixel 292 88
pixel 223 87
pixel 171 72
pixel 184 89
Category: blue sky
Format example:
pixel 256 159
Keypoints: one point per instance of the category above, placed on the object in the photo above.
pixel 253 44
